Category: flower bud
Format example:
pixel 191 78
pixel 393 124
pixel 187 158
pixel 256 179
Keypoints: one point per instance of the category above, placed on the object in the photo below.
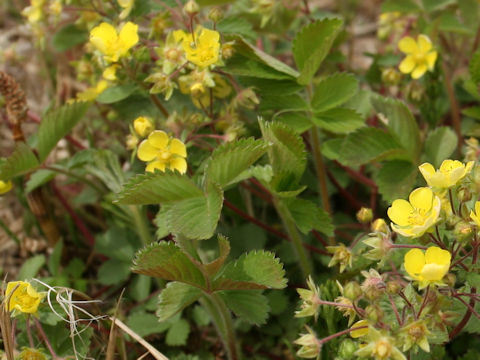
pixel 463 231
pixel 310 345
pixel 197 90
pixel 131 141
pixel 31 354
pixel 215 14
pixel 464 194
pixel 393 287
pixel 373 313
pixel 143 126
pixel 191 8
pixel 247 99
pixel 379 225
pixel 450 279
pixel 347 348
pixel 5 186
pixel 352 290
pixel 364 215
pixel 390 76
pixel 227 50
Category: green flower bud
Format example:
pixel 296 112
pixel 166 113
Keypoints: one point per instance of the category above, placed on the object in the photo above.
pixel 463 231
pixel 364 215
pixel 215 14
pixel 373 313
pixel 347 348
pixel 393 287
pixel 191 7
pixel 464 194
pixel 450 279
pixel 379 225
pixel 352 290
pixel 390 76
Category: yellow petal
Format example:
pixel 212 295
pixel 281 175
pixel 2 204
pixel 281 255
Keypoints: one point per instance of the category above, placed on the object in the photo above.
pixel 128 36
pixel 421 198
pixel 435 255
pixel 477 207
pixel 179 35
pixel 469 166
pixel 419 71
pixel 209 36
pixel 414 262
pixel 407 65
pixel 434 272
pixel 448 165
pixel 146 151
pixel 179 164
pixel 431 57
pixel 400 211
pixel 157 164
pixel 474 216
pixel 177 147
pixel 427 170
pixel 125 3
pixel 158 139
pixel 103 34
pixel 110 73
pixel 360 332
pixel 408 45
pixel 5 186
pixel 424 43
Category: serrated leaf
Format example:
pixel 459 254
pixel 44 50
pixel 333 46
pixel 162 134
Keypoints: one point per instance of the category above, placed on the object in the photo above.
pixel 449 22
pixel 251 306
pixel 299 121
pixel 339 120
pixel 270 87
pixel 474 67
pixel 158 187
pixel 145 324
pixel 177 334
pixel 223 251
pixel 38 178
pixel 332 148
pixel 21 161
pixel 197 217
pixel 370 144
pixel 292 102
pixel 434 5
pixel 31 267
pixel 287 151
pixel 473 280
pixel 113 272
pixel 236 25
pixel 312 44
pixel 243 66
pixel 229 160
pixel 174 298
pixel 254 270
pixel 401 123
pixel 396 179
pixel 439 145
pixel 167 261
pixel 58 123
pixel 334 91
pixel 308 216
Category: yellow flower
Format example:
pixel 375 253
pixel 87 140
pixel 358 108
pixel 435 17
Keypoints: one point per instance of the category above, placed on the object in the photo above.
pixel 5 186
pixel 420 56
pixel 163 152
pixel 91 93
pixel 380 347
pixel 110 73
pixel 449 174
pixel 56 7
pixel 360 332
pixel 127 6
pixel 428 268
pixel 22 297
pixel 111 44
pixel 143 125
pixel 415 217
pixel 475 215
pixel 341 255
pixel 201 49
pixel 34 12
pixel 415 333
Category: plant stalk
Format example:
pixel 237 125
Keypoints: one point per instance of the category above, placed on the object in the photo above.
pixel 141 225
pixel 222 319
pixel 294 236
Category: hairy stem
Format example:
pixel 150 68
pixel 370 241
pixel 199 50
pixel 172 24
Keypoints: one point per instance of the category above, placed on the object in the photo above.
pixel 320 169
pixel 141 224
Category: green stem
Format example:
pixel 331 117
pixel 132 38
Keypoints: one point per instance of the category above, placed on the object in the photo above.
pixel 294 236
pixel 140 224
pixel 320 169
pixel 222 319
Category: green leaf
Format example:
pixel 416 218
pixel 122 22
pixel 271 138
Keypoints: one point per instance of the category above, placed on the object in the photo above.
pixel 231 159
pixel 177 334
pixel 158 187
pixel 404 6
pixel 254 270
pixel 473 280
pixel 139 288
pixel 370 144
pixel 113 272
pixel 251 306
pixel 243 66
pixel 434 5
pixel 58 123
pixel 287 151
pixel 55 259
pixel 308 216
pixel 21 161
pixel 332 148
pixel 401 123
pixel 339 120
pixel 396 179
pixel 196 218
pixel 213 2
pixel 472 111
pixel 334 91
pixel 439 145
pixel 449 22
pixel 31 267
pixel 237 26
pixel 145 324
pixel 223 251
pixel 68 37
pixel 116 93
pixel 266 87
pixel 167 261
pixel 283 102
pixel 312 44
pixel 39 178
pixel 474 67
pixel 299 121
pixel 174 298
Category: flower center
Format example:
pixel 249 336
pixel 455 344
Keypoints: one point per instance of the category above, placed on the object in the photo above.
pixel 383 349
pixel 419 58
pixel 164 154
pixel 417 217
